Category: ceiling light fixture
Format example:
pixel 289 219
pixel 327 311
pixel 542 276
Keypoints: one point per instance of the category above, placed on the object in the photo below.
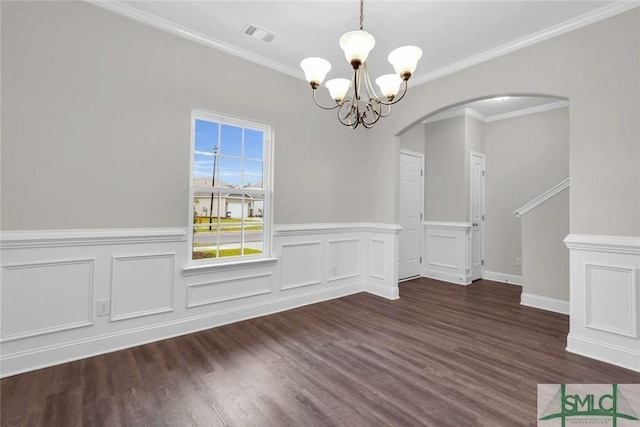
pixel 362 106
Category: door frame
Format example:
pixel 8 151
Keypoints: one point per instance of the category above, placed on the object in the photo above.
pixel 422 179
pixel 483 202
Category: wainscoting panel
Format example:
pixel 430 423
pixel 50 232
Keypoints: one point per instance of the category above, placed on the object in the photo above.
pixel 228 290
pixel 300 264
pixel 344 259
pixel 46 297
pixel 605 298
pixel 446 251
pixel 377 259
pixel 443 251
pixel 142 285
pixel 611 299
pixel 52 281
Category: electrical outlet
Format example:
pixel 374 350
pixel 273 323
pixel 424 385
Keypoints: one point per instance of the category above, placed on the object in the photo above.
pixel 518 262
pixel 104 307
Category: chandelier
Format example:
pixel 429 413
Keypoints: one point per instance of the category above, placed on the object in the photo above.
pixel 356 100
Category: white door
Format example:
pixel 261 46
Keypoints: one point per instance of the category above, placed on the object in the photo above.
pixel 477 215
pixel 410 214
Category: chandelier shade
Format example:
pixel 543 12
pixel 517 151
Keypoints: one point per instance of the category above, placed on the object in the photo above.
pixel 405 59
pixel 356 99
pixel 338 88
pixel 389 85
pixel 356 46
pixel 315 69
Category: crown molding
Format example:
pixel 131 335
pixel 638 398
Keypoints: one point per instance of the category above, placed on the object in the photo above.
pixel 597 15
pixel 589 18
pixel 525 111
pixel 171 27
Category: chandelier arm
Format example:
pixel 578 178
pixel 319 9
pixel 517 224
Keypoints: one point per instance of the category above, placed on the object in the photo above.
pixel 376 111
pixel 371 90
pixel 397 99
pixel 343 118
pixel 322 106
pixel 388 111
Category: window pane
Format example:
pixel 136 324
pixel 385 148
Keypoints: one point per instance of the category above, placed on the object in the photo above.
pixel 206 207
pixel 231 226
pixel 231 141
pixel 253 144
pixel 229 172
pixel 252 176
pixel 206 141
pixel 253 224
pixel 206 136
pixel 202 172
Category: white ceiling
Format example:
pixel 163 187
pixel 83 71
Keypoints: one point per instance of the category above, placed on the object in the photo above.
pixel 452 34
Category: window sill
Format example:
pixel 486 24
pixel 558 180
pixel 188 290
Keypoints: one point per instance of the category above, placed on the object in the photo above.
pixel 193 270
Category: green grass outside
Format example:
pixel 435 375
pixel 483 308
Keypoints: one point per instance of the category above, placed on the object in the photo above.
pixel 214 220
pixel 223 221
pixel 223 253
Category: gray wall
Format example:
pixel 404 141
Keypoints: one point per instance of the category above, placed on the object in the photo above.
pixel 545 269
pixel 526 156
pixel 96 112
pixel 414 139
pixel 445 173
pixel 474 141
pixel 598 69
pixel 107 123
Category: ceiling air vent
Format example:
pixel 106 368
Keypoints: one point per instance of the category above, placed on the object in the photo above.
pixel 258 33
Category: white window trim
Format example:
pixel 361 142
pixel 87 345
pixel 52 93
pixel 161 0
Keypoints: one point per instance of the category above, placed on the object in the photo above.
pixel 207 264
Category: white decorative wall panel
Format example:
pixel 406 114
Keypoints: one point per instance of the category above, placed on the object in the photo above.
pixel 377 259
pixel 141 285
pixel 447 251
pixel 604 298
pixel 300 265
pixel 443 251
pixel 45 297
pixel 45 304
pixel 611 299
pixel 228 290
pixel 344 259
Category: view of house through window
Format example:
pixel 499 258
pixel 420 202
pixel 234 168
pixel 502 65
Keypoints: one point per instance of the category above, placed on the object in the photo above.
pixel 228 191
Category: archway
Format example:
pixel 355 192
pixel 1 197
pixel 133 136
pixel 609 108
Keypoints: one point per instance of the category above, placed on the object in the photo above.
pixel 526 142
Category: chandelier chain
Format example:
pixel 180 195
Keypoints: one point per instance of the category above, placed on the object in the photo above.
pixel 361 13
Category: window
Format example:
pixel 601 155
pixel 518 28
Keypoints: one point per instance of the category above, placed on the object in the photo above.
pixel 229 190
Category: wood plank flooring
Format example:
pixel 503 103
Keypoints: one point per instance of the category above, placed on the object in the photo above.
pixel 441 355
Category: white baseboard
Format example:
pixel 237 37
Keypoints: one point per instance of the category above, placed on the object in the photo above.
pixel 69 351
pixel 502 277
pixel 545 303
pixel 446 277
pixel 381 291
pixel 604 352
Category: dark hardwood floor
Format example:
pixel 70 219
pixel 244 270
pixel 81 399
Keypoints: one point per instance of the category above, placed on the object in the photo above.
pixel 442 355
